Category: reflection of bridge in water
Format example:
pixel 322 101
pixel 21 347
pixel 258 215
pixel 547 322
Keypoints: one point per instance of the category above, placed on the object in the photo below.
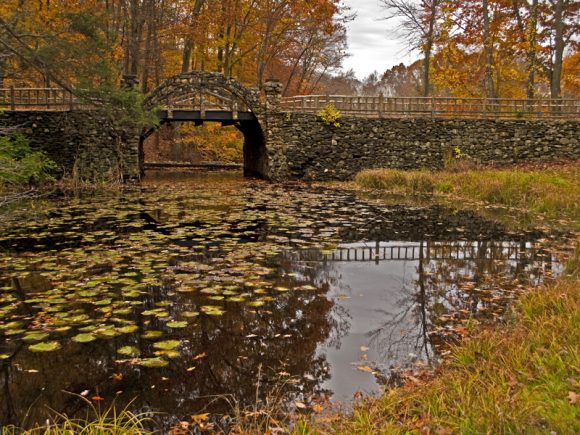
pixel 432 250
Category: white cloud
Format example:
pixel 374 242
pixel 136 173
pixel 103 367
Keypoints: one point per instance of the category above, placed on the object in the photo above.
pixel 373 43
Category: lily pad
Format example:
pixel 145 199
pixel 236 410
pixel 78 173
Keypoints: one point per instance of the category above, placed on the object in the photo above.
pixel 128 329
pixel 48 346
pixel 177 324
pixel 152 334
pixel 35 336
pixel 84 338
pixel 167 344
pixel 129 351
pixel 154 362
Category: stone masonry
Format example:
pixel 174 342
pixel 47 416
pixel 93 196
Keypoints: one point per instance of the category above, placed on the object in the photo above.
pixel 84 144
pixel 316 151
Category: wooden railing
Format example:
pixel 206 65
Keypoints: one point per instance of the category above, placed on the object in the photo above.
pixel 51 99
pixel 435 107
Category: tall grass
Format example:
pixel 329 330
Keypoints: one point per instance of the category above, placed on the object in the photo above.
pixel 555 193
pixel 108 421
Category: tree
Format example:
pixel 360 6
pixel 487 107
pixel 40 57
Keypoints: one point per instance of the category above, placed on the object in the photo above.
pixel 564 25
pixel 418 24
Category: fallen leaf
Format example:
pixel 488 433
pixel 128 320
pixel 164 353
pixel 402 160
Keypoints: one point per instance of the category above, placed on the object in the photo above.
pixel 318 408
pixel 200 418
pixel 200 356
pixel 574 398
pixel 97 398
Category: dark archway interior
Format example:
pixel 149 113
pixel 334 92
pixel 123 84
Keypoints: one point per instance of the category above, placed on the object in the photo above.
pixel 254 149
pixel 255 154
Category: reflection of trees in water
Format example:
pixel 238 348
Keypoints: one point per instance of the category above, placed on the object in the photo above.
pixel 450 290
pixel 220 355
pixel 307 264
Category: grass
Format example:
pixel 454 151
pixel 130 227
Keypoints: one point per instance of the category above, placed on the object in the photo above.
pixel 552 192
pixel 109 421
pixel 522 378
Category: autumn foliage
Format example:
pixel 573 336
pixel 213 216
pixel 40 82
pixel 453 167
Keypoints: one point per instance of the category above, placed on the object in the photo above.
pixel 95 42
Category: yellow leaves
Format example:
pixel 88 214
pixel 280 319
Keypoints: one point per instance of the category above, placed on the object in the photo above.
pixel 200 418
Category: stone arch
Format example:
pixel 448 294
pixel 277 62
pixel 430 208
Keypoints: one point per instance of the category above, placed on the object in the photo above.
pixel 210 96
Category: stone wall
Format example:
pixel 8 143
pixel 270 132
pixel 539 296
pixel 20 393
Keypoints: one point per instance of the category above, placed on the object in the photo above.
pixel 83 143
pixel 312 150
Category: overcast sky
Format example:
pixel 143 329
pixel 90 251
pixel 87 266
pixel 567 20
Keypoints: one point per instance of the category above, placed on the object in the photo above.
pixel 372 42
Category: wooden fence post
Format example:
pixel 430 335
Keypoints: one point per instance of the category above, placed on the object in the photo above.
pixel 12 97
pixel 381 102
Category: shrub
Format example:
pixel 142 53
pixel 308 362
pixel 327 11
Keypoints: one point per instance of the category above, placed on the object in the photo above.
pixel 330 115
pixel 19 164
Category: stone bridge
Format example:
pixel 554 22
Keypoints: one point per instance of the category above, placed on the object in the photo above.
pixel 285 138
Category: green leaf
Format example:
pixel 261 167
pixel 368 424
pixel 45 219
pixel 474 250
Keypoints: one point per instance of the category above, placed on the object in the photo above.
pixel 167 344
pixel 153 362
pixel 48 346
pixel 129 351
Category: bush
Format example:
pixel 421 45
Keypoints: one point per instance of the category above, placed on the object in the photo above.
pixel 19 164
pixel 330 115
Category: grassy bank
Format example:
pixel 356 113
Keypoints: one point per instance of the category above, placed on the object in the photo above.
pixel 520 379
pixel 553 192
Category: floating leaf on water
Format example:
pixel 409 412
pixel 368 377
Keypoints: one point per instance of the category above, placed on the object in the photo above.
pixel 154 362
pixel 128 329
pixel 129 351
pixel 256 303
pixel 152 334
pixel 307 287
pixel 177 324
pixel 235 299
pixel 4 356
pixel 216 298
pixel 48 346
pixel 14 331
pixel 167 344
pixel 168 353
pixel 122 311
pixel 190 314
pixel 158 312
pixel 35 336
pixel 212 310
pixel 84 338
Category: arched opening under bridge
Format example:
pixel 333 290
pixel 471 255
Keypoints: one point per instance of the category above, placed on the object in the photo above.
pixel 200 97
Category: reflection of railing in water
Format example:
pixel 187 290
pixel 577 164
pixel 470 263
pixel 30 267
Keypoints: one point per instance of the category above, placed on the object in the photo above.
pixel 433 251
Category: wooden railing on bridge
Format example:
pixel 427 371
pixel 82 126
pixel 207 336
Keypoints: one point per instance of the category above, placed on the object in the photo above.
pixel 57 99
pixel 49 99
pixel 436 107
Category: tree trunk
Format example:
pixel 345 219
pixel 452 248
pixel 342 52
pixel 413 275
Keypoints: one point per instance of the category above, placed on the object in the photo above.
pixel 186 57
pixel 428 48
pixel 555 90
pixel 488 51
pixel 148 55
pixel 532 49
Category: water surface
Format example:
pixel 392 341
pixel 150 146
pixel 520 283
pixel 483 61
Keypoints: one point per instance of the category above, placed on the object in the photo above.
pixel 197 286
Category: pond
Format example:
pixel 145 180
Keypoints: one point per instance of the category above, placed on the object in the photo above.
pixel 182 295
